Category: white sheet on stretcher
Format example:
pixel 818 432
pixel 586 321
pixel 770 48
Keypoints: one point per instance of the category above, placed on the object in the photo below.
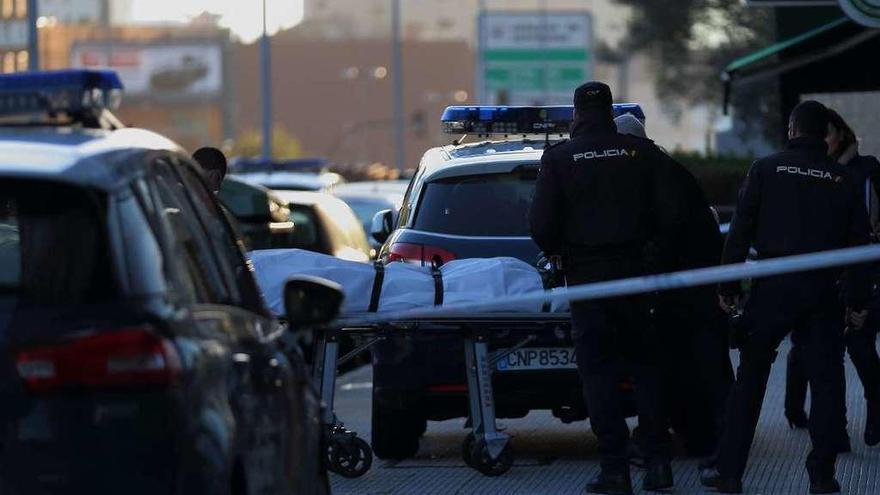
pixel 405 286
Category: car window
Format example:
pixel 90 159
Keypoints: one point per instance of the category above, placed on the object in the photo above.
pixel 53 245
pixel 408 198
pixel 230 262
pixel 365 209
pixel 224 239
pixel 188 241
pixel 494 205
pixel 305 228
pixel 343 223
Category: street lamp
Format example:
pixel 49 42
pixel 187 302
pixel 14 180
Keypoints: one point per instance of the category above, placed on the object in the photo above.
pixel 266 89
pixel 33 40
pixel 396 72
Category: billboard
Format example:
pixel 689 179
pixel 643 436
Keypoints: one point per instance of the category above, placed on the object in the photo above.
pixel 533 58
pixel 179 70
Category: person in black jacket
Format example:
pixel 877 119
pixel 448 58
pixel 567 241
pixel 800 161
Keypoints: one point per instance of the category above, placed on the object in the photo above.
pixel 600 197
pixel 695 342
pixel 861 344
pixel 793 202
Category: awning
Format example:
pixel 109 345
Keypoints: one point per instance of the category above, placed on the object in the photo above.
pixel 756 66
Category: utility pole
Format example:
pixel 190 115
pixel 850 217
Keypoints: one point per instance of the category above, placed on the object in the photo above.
pixel 266 89
pixel 479 88
pixel 397 74
pixel 33 36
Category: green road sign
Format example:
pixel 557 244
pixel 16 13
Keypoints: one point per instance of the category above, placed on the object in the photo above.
pixel 529 58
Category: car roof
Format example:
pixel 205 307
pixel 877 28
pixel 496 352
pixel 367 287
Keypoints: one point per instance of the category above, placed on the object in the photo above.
pixel 379 192
pixel 67 154
pixel 308 198
pixel 291 181
pixel 373 187
pixel 488 157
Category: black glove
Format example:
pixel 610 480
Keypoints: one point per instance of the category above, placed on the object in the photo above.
pixel 550 268
pixel 738 331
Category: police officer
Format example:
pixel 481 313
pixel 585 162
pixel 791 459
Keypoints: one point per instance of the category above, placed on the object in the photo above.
pixel 792 202
pixel 599 198
pixel 861 337
pixel 213 163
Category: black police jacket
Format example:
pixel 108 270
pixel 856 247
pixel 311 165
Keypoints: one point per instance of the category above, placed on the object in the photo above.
pixel 866 173
pixel 799 201
pixel 603 194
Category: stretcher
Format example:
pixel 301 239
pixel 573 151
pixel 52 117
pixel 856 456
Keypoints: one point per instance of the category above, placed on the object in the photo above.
pixel 485 448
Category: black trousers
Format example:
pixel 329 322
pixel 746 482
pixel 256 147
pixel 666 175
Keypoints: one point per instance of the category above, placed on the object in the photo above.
pixel 693 333
pixel 806 303
pixel 614 338
pixel 862 348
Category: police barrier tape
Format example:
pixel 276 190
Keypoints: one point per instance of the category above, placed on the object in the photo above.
pixel 636 285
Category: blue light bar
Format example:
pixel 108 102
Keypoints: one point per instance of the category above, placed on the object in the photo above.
pixel 485 120
pixel 63 91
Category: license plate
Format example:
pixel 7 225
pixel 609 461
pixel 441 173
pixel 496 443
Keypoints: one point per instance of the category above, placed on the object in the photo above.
pixel 537 358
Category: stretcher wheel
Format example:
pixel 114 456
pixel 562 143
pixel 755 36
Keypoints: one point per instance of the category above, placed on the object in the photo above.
pixel 483 462
pixel 349 457
pixel 467 450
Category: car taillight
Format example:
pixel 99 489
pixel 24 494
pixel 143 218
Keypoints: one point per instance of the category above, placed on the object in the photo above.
pixel 121 358
pixel 419 253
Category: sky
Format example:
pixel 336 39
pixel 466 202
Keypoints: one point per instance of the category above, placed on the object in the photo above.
pixel 243 17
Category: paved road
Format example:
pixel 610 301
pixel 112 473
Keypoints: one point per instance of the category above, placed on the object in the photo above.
pixel 554 458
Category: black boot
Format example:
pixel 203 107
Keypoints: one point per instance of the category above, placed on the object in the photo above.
pixel 611 484
pixel 795 390
pixel 711 478
pixel 658 477
pixel 824 484
pixel 797 419
pixel 822 477
pixel 843 446
pixel 872 424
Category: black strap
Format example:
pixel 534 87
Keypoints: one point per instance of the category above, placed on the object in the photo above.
pixel 438 284
pixel 377 287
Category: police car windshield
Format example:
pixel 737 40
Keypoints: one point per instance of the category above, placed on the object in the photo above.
pixel 53 248
pixel 494 205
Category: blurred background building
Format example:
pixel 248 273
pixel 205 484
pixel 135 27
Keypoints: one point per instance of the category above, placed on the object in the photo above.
pixel 196 81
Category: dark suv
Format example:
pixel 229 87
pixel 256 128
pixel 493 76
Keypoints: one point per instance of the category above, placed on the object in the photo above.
pixel 136 354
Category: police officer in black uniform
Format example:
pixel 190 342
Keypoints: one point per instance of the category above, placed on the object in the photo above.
pixel 599 198
pixel 793 202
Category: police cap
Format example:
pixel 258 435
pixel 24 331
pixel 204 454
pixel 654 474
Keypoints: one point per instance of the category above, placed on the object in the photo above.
pixel 593 95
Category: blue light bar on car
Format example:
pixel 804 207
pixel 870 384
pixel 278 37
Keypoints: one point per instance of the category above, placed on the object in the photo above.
pixel 485 120
pixel 62 91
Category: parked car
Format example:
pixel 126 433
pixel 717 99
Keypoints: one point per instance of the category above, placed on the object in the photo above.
pixel 136 354
pixel 308 174
pixel 325 224
pixel 471 201
pixel 263 219
pixel 370 197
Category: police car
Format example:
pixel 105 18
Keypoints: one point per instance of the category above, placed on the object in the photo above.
pixel 136 355
pixel 471 200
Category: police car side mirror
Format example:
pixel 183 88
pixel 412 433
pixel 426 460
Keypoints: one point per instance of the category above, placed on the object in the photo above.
pixel 310 301
pixel 383 224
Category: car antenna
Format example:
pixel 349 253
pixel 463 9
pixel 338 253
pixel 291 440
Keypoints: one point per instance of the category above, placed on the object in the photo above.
pixel 457 142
